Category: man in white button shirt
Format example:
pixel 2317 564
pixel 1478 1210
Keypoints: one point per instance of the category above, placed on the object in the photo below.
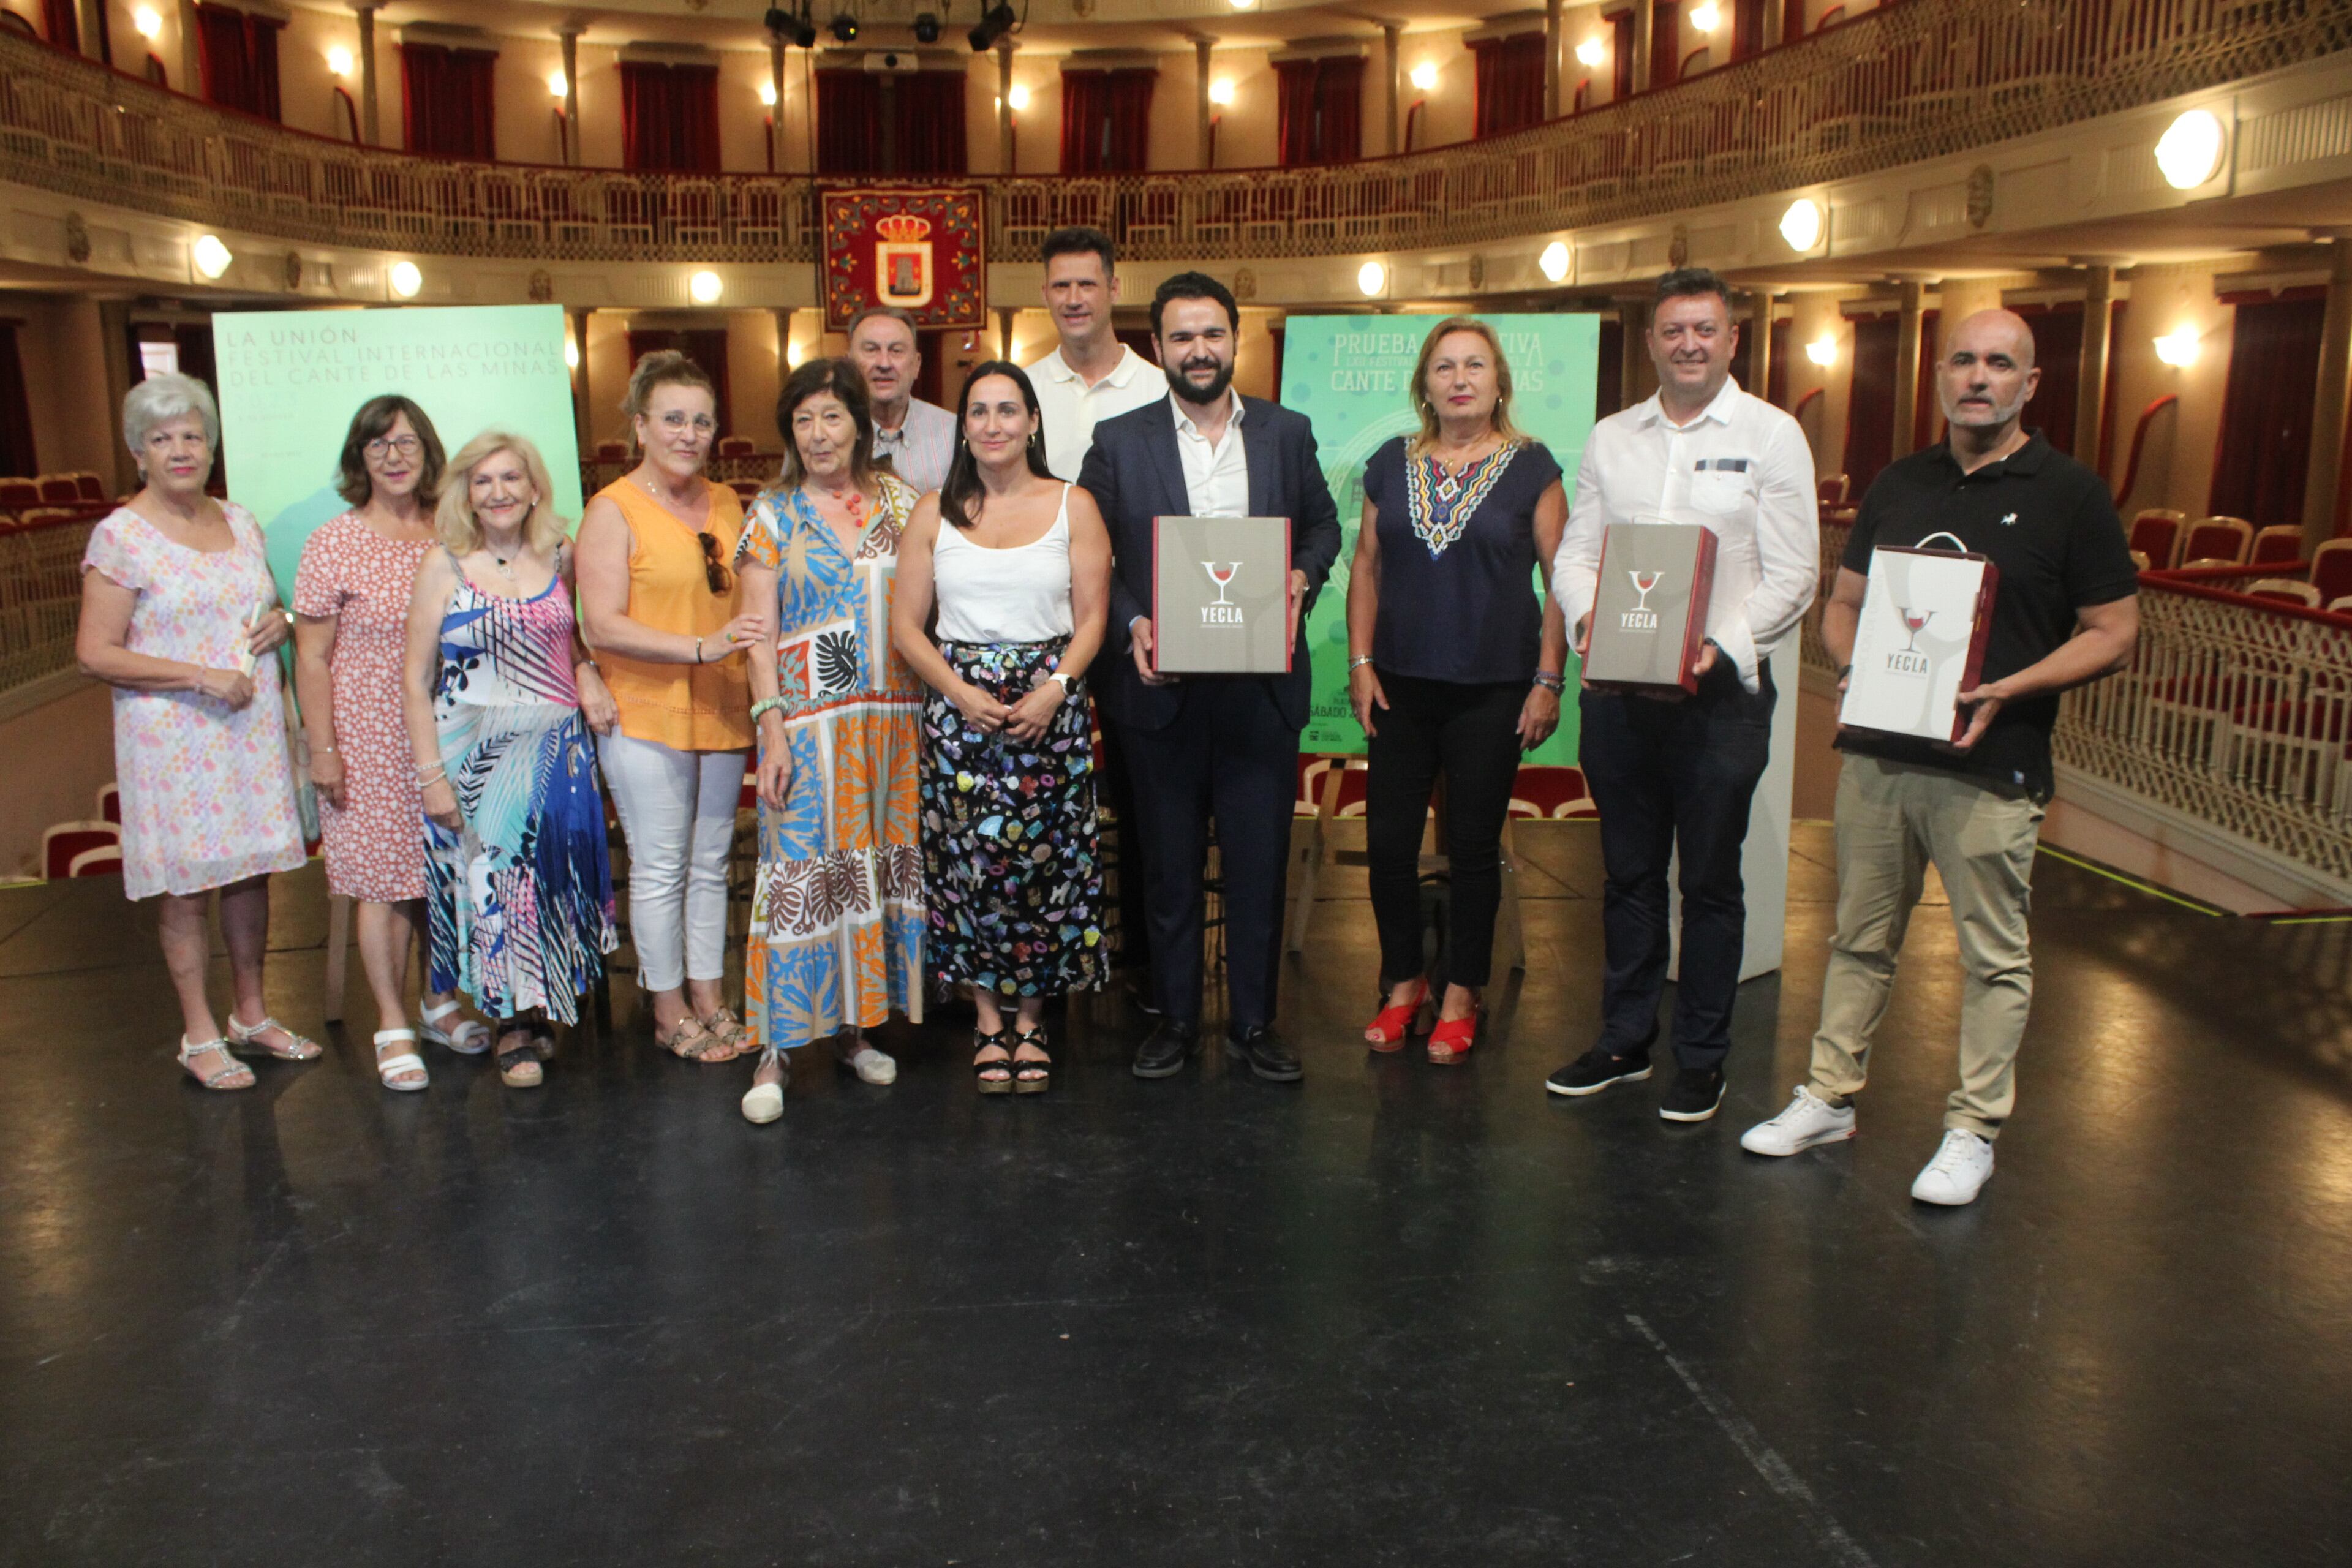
pixel 1092 376
pixel 1670 773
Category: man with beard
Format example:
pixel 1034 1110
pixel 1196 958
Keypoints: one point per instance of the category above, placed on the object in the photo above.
pixel 2066 613
pixel 1674 774
pixel 1203 746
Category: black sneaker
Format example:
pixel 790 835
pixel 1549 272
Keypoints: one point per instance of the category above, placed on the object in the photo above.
pixel 1696 1093
pixel 1595 1071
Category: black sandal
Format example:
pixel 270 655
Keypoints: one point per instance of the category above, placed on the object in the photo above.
pixel 1002 1067
pixel 518 1058
pixel 1031 1077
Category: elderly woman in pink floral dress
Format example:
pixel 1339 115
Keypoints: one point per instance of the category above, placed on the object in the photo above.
pixel 178 614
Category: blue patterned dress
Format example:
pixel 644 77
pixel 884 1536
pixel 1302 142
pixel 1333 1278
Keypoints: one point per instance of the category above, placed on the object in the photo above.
pixel 520 901
pixel 837 911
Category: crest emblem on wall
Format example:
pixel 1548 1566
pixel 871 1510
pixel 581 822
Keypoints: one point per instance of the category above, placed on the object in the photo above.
pixel 918 249
pixel 902 261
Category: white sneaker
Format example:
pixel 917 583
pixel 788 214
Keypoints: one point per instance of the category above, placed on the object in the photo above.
pixel 1809 1120
pixel 1960 1168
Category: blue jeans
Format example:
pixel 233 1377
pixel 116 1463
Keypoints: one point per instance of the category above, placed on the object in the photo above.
pixel 1668 776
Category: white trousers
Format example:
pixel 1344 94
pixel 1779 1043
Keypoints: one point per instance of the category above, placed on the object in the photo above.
pixel 679 811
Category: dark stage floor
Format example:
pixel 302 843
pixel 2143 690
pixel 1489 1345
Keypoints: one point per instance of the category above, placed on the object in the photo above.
pixel 1404 1314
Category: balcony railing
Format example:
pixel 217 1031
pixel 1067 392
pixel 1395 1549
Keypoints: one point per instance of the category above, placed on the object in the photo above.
pixel 2236 713
pixel 1900 84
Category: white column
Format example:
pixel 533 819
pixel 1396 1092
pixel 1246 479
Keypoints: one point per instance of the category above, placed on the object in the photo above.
pixel 369 132
pixel 568 34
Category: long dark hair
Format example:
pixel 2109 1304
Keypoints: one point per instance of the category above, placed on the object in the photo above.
pixel 839 377
pixel 374 419
pixel 962 486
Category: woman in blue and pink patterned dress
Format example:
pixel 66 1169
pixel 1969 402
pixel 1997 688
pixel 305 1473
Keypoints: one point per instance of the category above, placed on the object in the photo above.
pixel 500 696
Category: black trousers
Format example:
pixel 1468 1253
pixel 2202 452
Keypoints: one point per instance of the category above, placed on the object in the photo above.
pixel 1469 734
pixel 1121 845
pixel 1228 754
pixel 1668 776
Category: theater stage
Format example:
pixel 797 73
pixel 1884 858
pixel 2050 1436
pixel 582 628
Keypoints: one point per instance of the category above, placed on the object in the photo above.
pixel 1403 1314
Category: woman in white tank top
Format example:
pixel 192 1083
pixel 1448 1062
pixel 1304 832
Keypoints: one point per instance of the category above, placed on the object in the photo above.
pixel 1018 564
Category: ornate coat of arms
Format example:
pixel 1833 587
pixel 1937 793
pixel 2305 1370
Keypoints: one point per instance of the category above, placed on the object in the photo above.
pixel 918 249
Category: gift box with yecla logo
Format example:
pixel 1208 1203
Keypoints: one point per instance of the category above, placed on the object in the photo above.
pixel 1921 642
pixel 1221 595
pixel 1649 610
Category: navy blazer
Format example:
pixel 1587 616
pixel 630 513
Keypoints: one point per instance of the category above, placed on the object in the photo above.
pixel 1135 473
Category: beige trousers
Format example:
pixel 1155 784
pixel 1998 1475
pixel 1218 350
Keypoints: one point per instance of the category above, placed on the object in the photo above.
pixel 1893 819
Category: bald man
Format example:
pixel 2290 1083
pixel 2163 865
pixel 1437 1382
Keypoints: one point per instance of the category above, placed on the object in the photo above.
pixel 2066 613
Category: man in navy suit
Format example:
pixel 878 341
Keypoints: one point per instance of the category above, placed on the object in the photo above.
pixel 1209 746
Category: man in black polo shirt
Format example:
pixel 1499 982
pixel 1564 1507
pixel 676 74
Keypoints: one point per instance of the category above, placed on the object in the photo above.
pixel 2066 613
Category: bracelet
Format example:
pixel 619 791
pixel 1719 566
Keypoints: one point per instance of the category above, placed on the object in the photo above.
pixel 438 775
pixel 1361 659
pixel 765 705
pixel 1551 680
pixel 698 650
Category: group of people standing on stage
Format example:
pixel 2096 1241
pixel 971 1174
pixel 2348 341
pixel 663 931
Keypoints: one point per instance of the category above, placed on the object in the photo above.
pixel 906 635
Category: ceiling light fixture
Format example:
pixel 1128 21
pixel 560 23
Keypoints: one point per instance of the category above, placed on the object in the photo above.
pixel 1020 97
pixel 1221 93
pixel 2190 151
pixel 1554 260
pixel 1370 278
pixel 1707 17
pixel 405 280
pixel 2177 348
pixel 927 27
pixel 211 257
pixel 558 85
pixel 1822 350
pixel 844 28
pixel 994 22
pixel 1424 75
pixel 1800 226
pixel 1592 52
pixel 768 94
pixel 148 24
pixel 705 287
pixel 338 61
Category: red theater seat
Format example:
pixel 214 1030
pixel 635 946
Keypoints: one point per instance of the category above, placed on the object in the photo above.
pixel 62 844
pixel 15 495
pixel 104 861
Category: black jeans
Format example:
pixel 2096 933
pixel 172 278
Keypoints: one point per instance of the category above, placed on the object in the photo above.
pixel 1669 776
pixel 1469 734
pixel 1229 754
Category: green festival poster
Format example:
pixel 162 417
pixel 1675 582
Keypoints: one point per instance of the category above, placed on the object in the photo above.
pixel 290 381
pixel 1351 375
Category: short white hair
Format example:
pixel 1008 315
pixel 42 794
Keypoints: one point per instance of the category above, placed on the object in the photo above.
pixel 159 399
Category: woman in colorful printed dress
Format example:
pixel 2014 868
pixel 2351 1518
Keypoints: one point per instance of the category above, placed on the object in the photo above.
pixel 1020 565
pixel 656 597
pixel 837 916
pixel 1454 662
pixel 350 636
pixel 520 894
pixel 179 616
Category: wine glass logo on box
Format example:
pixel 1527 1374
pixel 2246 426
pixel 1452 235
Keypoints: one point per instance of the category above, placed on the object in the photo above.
pixel 1221 595
pixel 1920 642
pixel 1649 610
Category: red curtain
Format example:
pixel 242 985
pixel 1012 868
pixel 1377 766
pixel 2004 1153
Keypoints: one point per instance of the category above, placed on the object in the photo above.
pixel 706 346
pixel 1620 55
pixel 2058 349
pixel 1320 111
pixel 1926 410
pixel 849 122
pixel 237 53
pixel 1748 27
pixel 1792 21
pixel 1106 121
pixel 930 120
pixel 1510 83
pixel 669 118
pixel 1665 44
pixel 2266 411
pixel 60 26
pixel 17 457
pixel 1776 389
pixel 448 102
pixel 1870 402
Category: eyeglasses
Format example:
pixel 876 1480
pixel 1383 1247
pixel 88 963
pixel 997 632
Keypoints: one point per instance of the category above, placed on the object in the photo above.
pixel 714 566
pixel 703 424
pixel 406 445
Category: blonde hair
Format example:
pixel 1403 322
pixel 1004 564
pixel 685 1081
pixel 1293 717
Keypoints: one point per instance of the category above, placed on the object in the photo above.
pixel 454 522
pixel 1427 437
pixel 663 367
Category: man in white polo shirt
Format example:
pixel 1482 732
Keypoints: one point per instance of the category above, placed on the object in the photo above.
pixel 1092 376
pixel 1677 773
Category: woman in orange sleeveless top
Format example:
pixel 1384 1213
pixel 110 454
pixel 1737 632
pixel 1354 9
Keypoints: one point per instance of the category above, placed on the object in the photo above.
pixel 657 598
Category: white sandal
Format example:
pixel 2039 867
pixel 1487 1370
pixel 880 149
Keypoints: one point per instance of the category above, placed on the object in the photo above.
pixel 765 1103
pixel 471 1037
pixel 220 1079
pixel 405 1062
pixel 870 1066
pixel 296 1050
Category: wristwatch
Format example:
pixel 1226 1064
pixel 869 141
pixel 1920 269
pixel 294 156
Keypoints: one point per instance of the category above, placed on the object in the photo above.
pixel 1065 680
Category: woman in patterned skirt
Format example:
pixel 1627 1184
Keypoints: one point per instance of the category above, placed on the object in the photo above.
pixel 837 914
pixel 1020 565
pixel 179 616
pixel 520 894
pixel 350 633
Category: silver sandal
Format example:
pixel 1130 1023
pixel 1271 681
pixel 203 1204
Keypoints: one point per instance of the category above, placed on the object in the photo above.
pixel 297 1049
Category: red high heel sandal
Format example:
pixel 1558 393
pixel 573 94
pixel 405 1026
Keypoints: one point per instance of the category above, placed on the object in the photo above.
pixel 1453 1037
pixel 1394 1026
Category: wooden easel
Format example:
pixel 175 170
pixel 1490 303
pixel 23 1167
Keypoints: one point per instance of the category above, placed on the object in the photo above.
pixel 1312 851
